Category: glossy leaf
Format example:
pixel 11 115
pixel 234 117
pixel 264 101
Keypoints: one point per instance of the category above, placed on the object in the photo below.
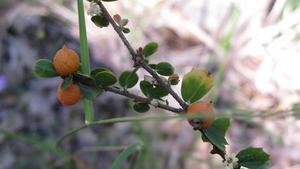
pixel 253 158
pixel 67 82
pixel 100 21
pixel 89 92
pixel 84 79
pixel 45 68
pixel 153 66
pixel 145 87
pixel 150 49
pixel 165 69
pixel 141 107
pixel 128 79
pixel 216 133
pixel 153 91
pixel 158 92
pixel 98 70
pixel 126 30
pixel 105 78
pixel 195 85
pixel 221 124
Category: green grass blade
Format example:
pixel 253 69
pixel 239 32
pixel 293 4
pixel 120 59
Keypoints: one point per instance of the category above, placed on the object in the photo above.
pixel 46 145
pixel 120 120
pixel 131 149
pixel 85 59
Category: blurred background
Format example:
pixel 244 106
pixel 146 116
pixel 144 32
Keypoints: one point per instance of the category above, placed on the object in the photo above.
pixel 252 47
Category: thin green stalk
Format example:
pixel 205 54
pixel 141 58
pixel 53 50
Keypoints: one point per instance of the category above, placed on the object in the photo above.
pixel 46 145
pixel 85 60
pixel 120 120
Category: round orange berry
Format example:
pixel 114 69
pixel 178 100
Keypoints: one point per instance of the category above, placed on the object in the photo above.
pixel 205 112
pixel 71 95
pixel 66 61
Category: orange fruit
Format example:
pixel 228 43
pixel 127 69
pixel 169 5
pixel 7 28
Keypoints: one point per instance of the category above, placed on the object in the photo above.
pixel 66 61
pixel 70 95
pixel 205 112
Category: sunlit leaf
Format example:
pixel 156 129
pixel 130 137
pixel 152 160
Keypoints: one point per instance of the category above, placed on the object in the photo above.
pixel 195 85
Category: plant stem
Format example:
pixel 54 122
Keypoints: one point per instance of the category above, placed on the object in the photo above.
pixel 163 84
pixel 149 70
pixel 117 29
pixel 134 56
pixel 85 60
pixel 142 99
pixel 120 120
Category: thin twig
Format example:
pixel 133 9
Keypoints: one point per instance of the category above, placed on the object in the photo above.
pixel 145 66
pixel 163 84
pixel 134 56
pixel 117 29
pixel 119 120
pixel 142 99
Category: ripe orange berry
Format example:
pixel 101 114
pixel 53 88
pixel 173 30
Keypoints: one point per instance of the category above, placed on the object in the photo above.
pixel 70 95
pixel 204 110
pixel 66 61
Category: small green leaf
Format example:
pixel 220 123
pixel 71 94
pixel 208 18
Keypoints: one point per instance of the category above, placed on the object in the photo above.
pixel 216 133
pixel 131 149
pixel 145 87
pixel 195 85
pixel 150 49
pixel 165 69
pixel 253 158
pixel 153 91
pixel 67 82
pixel 221 124
pixel 45 68
pixel 158 92
pixel 141 107
pixel 153 66
pixel 98 70
pixel 84 79
pixel 100 21
pixel 126 30
pixel 128 79
pixel 105 78
pixel 89 92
